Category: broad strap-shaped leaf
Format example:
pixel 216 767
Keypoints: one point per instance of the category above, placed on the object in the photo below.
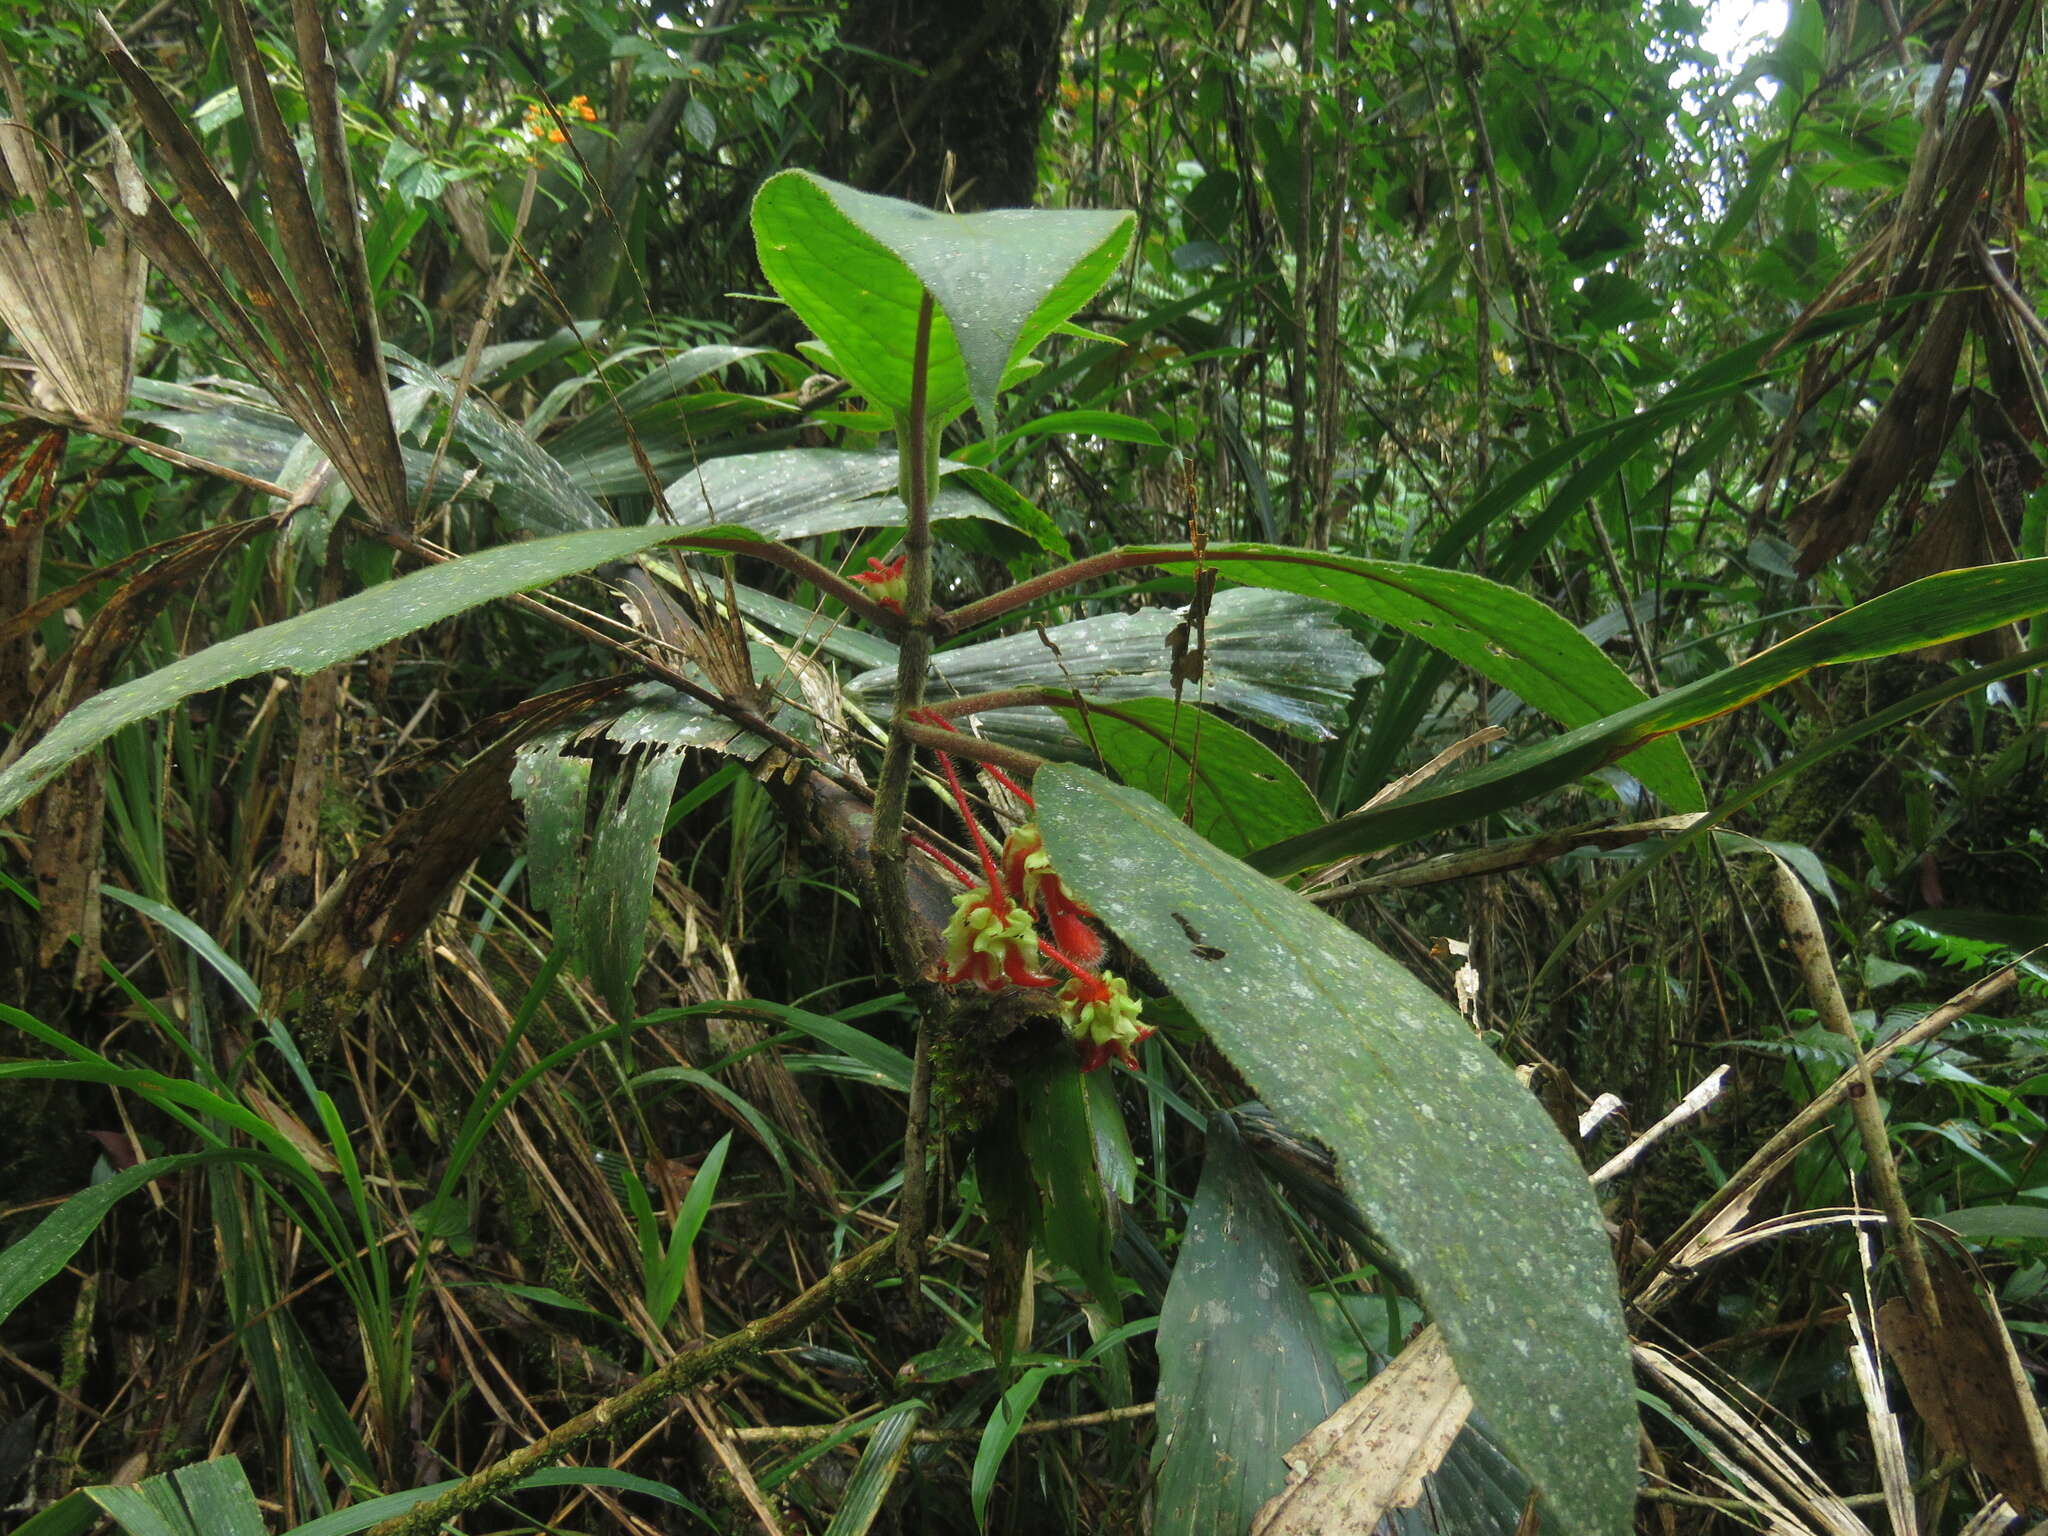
pixel 1927 612
pixel 307 643
pixel 1503 635
pixel 796 493
pixel 855 268
pixel 1283 661
pixel 1462 1175
pixel 1238 790
pixel 1244 1371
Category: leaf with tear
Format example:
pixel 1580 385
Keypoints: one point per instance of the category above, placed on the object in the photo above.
pixel 1284 661
pixel 1930 611
pixel 800 492
pixel 1428 1128
pixel 1502 634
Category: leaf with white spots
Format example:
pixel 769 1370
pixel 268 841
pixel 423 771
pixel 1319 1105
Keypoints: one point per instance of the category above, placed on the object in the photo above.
pixel 1459 1171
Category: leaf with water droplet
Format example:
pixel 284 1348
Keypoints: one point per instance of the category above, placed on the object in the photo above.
pixel 1452 1161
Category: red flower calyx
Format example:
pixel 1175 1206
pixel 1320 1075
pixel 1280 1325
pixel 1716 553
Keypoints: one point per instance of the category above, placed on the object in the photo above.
pixel 886 584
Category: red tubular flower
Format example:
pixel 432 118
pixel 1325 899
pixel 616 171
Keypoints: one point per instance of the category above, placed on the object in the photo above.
pixel 1030 877
pixel 886 584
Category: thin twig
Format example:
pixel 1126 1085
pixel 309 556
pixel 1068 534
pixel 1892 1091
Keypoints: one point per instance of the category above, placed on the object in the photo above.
pixel 617 1414
pixel 1809 947
pixel 799 1434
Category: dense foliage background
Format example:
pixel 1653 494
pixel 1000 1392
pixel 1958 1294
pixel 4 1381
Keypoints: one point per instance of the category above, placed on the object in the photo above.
pixel 1695 350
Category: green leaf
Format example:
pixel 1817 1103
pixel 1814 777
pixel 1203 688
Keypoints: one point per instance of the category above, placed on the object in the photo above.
pixel 1504 635
pixel 997 1434
pixel 1111 426
pixel 1989 1223
pixel 618 882
pixel 73 1515
pixel 27 1264
pixel 1074 1208
pixel 197 939
pixel 1931 611
pixel 1244 1371
pixel 1113 1155
pixel 1429 1129
pixel 325 636
pixel 1244 796
pixel 360 1517
pixel 855 268
pixel 876 1472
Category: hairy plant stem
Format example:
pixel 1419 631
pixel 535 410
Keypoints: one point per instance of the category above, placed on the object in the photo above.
pixel 1013 761
pixel 616 1414
pixel 916 446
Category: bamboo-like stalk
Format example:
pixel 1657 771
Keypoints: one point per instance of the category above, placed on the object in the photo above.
pixel 1810 948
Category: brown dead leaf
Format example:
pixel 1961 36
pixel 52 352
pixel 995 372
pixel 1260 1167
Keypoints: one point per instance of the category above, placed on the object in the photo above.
pixel 1965 1379
pixel 1371 1455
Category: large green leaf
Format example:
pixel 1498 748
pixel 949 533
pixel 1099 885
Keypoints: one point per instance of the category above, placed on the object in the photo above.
pixel 855 268
pixel 1460 1172
pixel 328 635
pixel 1931 611
pixel 1244 1371
pixel 1242 795
pixel 1502 634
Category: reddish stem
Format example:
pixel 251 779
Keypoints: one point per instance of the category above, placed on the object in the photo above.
pixel 942 860
pixel 1059 959
pixel 988 860
pixel 933 717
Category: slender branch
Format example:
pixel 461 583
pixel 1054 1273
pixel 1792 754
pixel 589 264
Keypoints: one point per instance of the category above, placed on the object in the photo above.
pixel 996 604
pixel 774 552
pixel 646 1396
pixel 1824 987
pixel 1012 760
pixel 1824 1104
pixel 958 620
